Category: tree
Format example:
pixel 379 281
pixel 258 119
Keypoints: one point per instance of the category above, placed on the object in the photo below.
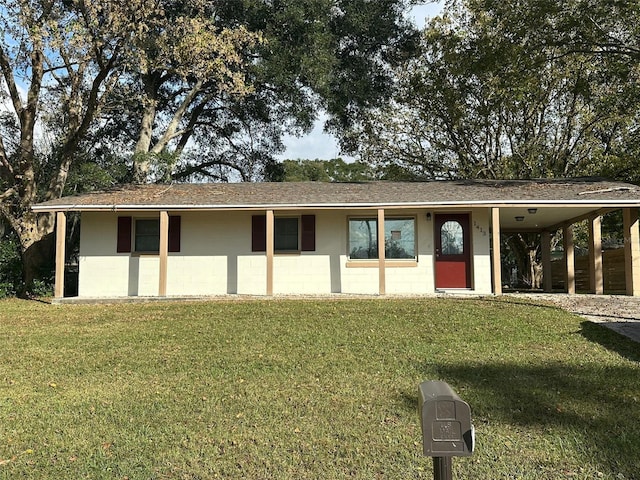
pixel 514 89
pixel 334 170
pixel 57 49
pixel 68 56
pixel 191 89
pixel 493 97
pixel 181 62
pixel 290 60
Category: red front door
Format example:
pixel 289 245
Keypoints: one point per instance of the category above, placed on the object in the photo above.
pixel 453 251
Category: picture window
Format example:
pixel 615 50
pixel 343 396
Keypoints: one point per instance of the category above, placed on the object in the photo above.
pixel 400 238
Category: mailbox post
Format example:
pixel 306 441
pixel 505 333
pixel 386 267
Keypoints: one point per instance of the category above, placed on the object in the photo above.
pixel 446 426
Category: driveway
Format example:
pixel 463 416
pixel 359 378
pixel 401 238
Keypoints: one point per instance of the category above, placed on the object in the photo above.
pixel 618 312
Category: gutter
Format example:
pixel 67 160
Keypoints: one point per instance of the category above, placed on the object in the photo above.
pixel 331 206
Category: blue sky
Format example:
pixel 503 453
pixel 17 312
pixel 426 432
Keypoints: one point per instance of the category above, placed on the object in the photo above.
pixel 319 145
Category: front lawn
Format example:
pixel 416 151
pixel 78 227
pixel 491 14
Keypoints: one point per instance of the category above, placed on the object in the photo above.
pixel 310 389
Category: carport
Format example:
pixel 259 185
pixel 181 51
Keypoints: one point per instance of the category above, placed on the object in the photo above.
pixel 590 204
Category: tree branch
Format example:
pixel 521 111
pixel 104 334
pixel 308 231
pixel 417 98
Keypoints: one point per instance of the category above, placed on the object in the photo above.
pixel 170 132
pixel 7 72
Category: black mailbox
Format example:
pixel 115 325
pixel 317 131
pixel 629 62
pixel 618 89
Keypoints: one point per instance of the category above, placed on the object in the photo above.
pixel 446 421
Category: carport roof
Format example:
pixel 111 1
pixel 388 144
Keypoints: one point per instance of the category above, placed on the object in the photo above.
pixel 582 192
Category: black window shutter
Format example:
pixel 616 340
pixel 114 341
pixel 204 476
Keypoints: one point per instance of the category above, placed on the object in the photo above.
pixel 124 235
pixel 174 233
pixel 308 240
pixel 259 233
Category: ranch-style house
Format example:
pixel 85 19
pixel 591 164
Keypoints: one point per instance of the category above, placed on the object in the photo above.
pixel 331 238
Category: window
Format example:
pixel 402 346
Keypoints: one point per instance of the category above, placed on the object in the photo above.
pixel 146 234
pixel 399 238
pixel 290 234
pixel 363 238
pixel 285 234
pixel 451 238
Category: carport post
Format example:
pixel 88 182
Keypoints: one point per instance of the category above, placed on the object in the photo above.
pixel 631 250
pixel 163 253
pixel 547 278
pixel 382 284
pixel 270 251
pixel 569 256
pixel 596 284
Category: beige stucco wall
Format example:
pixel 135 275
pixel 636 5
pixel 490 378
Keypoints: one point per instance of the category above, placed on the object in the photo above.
pixel 216 259
pixel 103 272
pixel 481 241
pixel 213 244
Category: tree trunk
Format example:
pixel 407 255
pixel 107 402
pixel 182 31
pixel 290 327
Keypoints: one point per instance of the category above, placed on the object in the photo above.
pixel 141 161
pixel 524 248
pixel 36 249
pixel 142 165
pixel 535 268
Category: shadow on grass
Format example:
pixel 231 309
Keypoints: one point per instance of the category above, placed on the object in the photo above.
pixel 611 340
pixel 595 406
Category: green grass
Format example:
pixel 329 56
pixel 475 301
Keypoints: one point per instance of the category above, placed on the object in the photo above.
pixel 310 390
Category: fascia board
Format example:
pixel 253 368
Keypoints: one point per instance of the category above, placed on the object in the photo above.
pixel 280 206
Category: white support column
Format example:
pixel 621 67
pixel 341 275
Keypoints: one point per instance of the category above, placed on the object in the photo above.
pixel 495 246
pixel 61 234
pixel 596 283
pixel 547 275
pixel 270 251
pixel 382 287
pixel 569 256
pixel 164 253
pixel 631 250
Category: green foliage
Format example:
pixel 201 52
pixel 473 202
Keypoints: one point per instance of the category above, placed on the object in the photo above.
pixel 96 172
pixel 335 170
pixel 10 265
pixel 11 279
pixel 307 55
pixel 42 288
pixel 310 389
pixel 515 90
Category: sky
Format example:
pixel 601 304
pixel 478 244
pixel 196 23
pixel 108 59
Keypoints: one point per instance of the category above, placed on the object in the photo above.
pixel 319 145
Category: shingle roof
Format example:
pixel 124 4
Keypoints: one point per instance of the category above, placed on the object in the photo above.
pixel 364 194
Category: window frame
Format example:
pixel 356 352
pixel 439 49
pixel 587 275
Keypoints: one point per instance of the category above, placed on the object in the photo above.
pixel 374 235
pixel 134 234
pixel 125 234
pixel 390 261
pixel 413 218
pixel 306 233
pixel 298 233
